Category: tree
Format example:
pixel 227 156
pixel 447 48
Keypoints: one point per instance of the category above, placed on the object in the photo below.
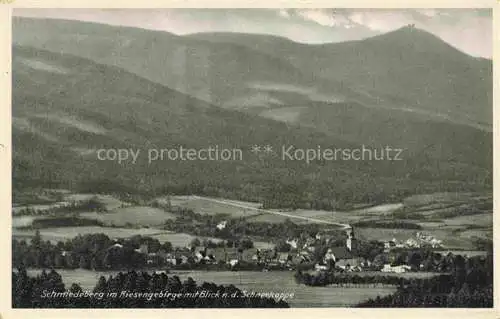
pixel 83 263
pixel 94 264
pixel 195 243
pixel 414 260
pixel 78 302
pixel 101 285
pixel 154 245
pixel 283 246
pixel 246 243
pixel 59 261
pixel 167 246
pixel 36 241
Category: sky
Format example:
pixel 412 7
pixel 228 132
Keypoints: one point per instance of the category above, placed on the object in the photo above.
pixel 469 30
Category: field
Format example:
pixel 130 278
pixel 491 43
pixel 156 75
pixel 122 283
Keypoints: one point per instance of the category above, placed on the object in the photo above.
pixel 485 220
pixel 383 234
pixel 276 282
pixel 451 240
pixel 443 198
pixel 476 233
pixel 202 206
pixel 455 232
pixel 330 216
pixel 180 239
pixel 133 215
pixel 270 218
pixel 378 210
pixel 417 275
pixel 469 253
pixel 39 207
pixel 109 201
pixel 471 217
pixel 22 221
pixel 64 233
pixel 449 204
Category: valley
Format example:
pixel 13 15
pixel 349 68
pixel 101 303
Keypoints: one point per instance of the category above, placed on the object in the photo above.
pixel 349 232
pixel 457 231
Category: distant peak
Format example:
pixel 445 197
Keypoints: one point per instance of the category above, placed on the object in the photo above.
pixel 411 29
pixel 409 33
pixel 410 37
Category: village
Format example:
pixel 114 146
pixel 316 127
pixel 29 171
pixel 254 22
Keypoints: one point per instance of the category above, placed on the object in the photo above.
pixel 320 253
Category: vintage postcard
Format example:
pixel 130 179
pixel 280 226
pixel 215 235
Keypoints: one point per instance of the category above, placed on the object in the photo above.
pixel 225 157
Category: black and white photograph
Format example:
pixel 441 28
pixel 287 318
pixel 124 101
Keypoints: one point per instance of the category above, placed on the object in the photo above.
pixel 252 158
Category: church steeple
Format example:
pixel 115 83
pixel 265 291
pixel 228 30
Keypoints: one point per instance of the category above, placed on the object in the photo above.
pixel 352 242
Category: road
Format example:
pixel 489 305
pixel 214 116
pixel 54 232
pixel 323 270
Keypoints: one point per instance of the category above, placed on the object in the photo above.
pixel 231 203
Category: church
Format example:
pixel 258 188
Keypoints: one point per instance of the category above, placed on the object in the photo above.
pixel 345 257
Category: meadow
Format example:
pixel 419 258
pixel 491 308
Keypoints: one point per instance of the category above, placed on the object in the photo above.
pixel 132 215
pixel 252 281
pixel 201 206
pixel 457 232
pixel 451 239
pixel 65 233
pixel 109 201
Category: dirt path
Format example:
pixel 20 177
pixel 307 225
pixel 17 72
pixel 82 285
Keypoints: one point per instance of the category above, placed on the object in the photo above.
pixel 228 202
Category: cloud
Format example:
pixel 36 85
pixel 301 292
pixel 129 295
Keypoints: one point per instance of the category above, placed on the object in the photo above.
pixel 319 16
pixel 381 20
pixel 470 30
pixel 283 13
pixel 428 12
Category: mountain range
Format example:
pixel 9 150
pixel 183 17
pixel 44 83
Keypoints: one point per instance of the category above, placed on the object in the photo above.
pixel 81 86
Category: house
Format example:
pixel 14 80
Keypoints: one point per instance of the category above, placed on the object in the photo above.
pixel 350 264
pixel 269 255
pixel 143 249
pixel 401 268
pixel 162 253
pixel 321 267
pixel 217 255
pixel 198 256
pixel 233 262
pixel 251 255
pixel 396 269
pixel 233 254
pixel 339 253
pixel 170 259
pixel 412 243
pixel 284 258
pixel 220 254
pixel 153 259
pixel 386 268
pixel 365 263
pixel 297 259
pixel 309 242
pixel 293 243
pixel 435 243
pixel 330 255
pixel 201 254
pixel 302 257
pixel 181 257
pixel 221 225
pixel 183 260
pixel 116 246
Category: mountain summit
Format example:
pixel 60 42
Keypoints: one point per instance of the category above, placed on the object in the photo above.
pixel 406 89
